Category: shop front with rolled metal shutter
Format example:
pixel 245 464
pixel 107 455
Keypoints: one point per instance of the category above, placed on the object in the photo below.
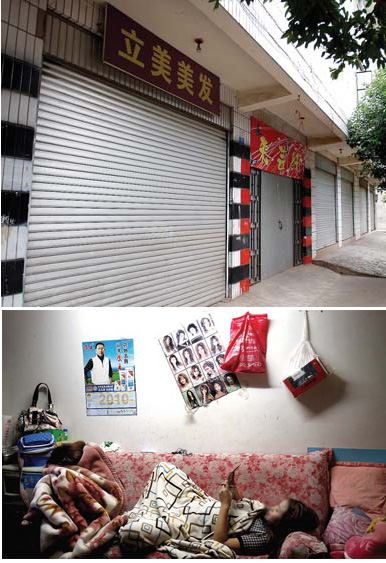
pixel 347 191
pixel 363 207
pixel 324 202
pixel 372 210
pixel 128 205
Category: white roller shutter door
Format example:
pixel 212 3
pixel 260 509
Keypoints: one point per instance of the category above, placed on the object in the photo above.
pixel 347 210
pixel 372 210
pixel 128 204
pixel 363 204
pixel 324 204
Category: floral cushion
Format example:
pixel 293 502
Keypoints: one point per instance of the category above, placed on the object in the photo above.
pixel 345 523
pixel 299 545
pixel 266 477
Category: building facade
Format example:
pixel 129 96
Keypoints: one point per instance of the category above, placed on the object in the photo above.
pixel 116 192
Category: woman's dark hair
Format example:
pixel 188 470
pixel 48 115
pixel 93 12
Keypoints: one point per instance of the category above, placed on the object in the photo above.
pixel 214 345
pixel 219 382
pixel 205 319
pixel 208 364
pixel 192 398
pixel 194 367
pixel 298 518
pixel 179 332
pixel 67 454
pixel 168 347
pixel 218 357
pixel 203 346
pixel 230 375
pixel 178 363
pixel 192 325
pixel 190 353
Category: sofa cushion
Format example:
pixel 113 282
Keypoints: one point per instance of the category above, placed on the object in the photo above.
pixel 345 523
pixel 266 477
pixel 300 545
pixel 359 484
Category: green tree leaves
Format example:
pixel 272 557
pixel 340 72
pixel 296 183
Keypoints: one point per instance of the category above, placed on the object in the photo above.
pixel 367 129
pixel 356 39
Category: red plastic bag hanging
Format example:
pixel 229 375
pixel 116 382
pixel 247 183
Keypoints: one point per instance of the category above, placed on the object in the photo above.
pixel 248 345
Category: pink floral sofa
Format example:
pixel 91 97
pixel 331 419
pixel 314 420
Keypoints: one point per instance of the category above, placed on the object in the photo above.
pixel 267 477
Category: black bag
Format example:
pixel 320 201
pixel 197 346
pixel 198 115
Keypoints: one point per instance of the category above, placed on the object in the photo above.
pixel 36 419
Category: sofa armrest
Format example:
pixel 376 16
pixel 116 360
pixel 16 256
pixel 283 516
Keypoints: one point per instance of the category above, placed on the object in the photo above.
pixel 300 545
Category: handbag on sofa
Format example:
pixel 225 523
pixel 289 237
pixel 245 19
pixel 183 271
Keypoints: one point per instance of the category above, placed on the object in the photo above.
pixel 37 419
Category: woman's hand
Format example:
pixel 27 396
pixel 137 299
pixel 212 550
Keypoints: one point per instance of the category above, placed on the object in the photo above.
pixel 233 488
pixel 225 494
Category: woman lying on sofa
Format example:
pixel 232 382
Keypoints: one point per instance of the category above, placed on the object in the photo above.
pixel 270 526
pixel 175 515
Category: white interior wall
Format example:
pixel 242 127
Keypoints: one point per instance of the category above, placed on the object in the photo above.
pixel 347 410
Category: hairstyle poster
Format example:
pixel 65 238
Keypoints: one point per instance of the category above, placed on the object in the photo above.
pixel 109 376
pixel 195 353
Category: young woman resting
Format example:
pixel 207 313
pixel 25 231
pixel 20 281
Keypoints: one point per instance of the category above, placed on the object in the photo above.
pixel 175 515
pixel 270 526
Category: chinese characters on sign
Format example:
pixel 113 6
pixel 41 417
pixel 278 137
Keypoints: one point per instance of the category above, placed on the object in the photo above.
pixel 274 152
pixel 133 49
pixel 109 376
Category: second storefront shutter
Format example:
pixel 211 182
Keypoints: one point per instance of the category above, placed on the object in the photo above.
pixel 128 203
pixel 372 210
pixel 347 209
pixel 324 205
pixel 363 204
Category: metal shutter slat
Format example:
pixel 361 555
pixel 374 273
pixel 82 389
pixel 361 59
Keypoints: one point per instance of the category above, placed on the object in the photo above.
pixel 363 206
pixel 347 209
pixel 324 203
pixel 128 209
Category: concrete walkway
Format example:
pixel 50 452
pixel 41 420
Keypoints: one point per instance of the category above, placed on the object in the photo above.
pixel 313 286
pixel 364 257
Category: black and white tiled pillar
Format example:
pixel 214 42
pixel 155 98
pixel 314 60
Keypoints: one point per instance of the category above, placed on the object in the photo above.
pixel 22 50
pixel 239 218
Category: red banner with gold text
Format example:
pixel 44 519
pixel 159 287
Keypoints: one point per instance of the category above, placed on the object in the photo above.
pixel 274 152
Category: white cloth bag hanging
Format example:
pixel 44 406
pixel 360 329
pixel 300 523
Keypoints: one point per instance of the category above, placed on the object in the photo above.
pixel 304 354
pixel 305 368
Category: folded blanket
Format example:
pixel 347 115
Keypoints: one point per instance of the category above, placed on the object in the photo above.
pixel 80 510
pixel 175 516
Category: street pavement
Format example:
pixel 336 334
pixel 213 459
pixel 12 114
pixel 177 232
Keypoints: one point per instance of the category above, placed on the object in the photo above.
pixel 365 257
pixel 313 286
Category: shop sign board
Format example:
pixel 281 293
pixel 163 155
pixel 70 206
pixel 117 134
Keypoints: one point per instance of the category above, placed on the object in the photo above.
pixel 133 49
pixel 274 152
pixel 109 375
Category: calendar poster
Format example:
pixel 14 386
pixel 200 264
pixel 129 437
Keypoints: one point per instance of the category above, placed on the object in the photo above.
pixel 109 376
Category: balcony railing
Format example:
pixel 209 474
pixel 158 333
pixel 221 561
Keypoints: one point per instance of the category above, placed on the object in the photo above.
pixel 266 24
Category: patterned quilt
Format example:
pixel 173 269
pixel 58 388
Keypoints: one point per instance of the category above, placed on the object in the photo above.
pixel 79 510
pixel 176 516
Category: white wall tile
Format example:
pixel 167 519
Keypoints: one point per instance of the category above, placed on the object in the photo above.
pixel 11 35
pixel 7 301
pixel 21 43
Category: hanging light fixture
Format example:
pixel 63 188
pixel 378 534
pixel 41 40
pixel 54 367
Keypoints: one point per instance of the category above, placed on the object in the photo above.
pixel 199 42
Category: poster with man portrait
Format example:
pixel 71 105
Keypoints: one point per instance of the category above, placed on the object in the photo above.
pixel 109 377
pixel 195 353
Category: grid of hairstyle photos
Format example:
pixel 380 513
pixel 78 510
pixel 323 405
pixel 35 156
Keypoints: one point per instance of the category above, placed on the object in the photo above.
pixel 195 353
